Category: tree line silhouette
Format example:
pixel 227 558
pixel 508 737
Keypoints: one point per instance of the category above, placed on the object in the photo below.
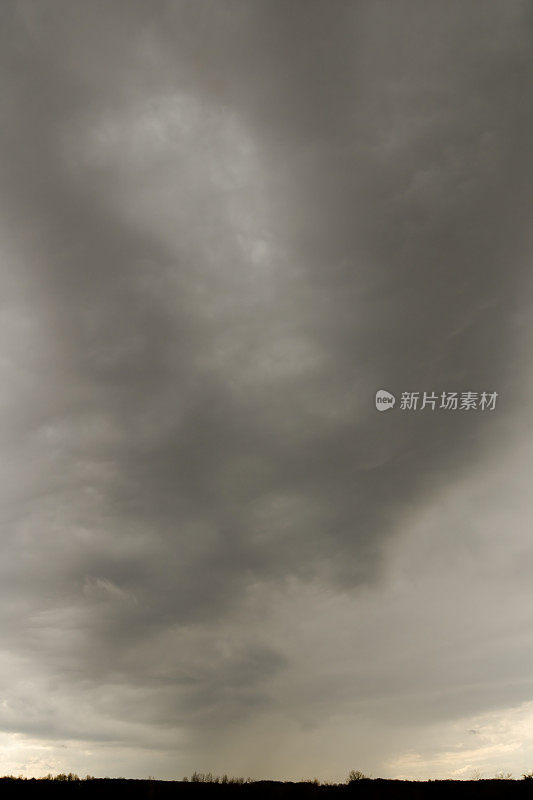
pixel 358 786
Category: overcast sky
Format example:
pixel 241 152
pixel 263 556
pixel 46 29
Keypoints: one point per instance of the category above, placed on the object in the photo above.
pixel 225 224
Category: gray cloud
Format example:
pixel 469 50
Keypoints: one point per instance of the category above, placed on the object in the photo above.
pixel 226 225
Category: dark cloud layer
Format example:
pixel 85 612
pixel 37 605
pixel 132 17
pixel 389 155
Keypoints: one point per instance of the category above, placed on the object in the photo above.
pixel 226 225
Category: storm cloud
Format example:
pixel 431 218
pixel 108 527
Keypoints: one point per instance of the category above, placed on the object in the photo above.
pixel 225 226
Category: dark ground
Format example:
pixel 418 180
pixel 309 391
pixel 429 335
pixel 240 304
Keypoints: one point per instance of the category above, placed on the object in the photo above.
pixel 103 788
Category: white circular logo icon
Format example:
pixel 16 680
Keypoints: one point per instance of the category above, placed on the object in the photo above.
pixel 384 400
